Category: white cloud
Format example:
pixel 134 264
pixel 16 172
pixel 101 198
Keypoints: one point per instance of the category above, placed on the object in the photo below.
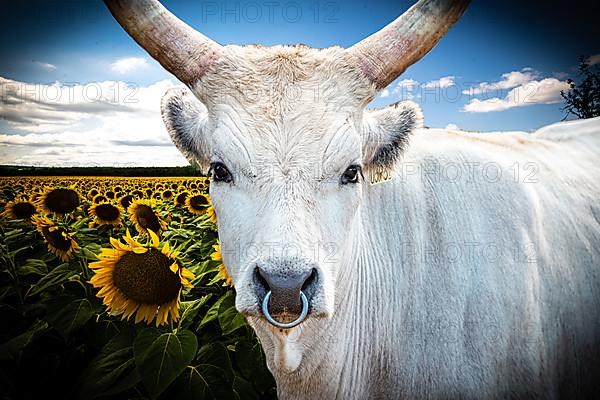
pixel 100 123
pixel 452 127
pixel 384 93
pixel 509 80
pixel 46 65
pixel 443 82
pixel 128 64
pixel 545 91
pixel 406 89
pixel 593 60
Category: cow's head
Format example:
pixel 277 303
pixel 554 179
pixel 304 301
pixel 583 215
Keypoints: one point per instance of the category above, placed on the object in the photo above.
pixel 286 135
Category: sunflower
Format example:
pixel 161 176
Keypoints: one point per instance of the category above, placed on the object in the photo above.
pixel 217 256
pixel 125 201
pixel 144 218
pixel 198 204
pixel 141 279
pixel 167 194
pixel 60 242
pixel 20 208
pixel 59 201
pixel 92 193
pixel 212 214
pixel 99 198
pixel 106 214
pixel 180 198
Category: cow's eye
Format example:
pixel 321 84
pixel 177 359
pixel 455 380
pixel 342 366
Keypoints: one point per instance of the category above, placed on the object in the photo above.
pixel 351 174
pixel 220 173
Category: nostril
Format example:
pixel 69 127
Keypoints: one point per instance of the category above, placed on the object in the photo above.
pixel 311 278
pixel 260 282
pixel 308 286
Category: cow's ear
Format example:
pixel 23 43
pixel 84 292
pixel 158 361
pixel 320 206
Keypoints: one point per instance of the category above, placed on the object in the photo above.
pixel 387 131
pixel 186 119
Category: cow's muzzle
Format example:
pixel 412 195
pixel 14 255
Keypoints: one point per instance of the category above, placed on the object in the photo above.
pixel 286 300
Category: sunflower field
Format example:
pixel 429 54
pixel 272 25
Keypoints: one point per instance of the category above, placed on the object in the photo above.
pixel 114 288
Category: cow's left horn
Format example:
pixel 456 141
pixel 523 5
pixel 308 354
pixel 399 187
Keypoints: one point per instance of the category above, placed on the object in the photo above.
pixel 182 50
pixel 384 55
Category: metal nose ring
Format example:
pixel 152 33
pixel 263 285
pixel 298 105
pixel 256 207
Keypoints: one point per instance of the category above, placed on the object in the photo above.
pixel 272 321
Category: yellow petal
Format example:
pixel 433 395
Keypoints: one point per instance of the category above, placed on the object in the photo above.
pixel 154 238
pixel 174 267
pixel 130 240
pixel 186 273
pixel 139 250
pixel 115 243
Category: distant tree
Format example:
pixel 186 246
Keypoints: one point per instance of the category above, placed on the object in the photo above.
pixel 583 99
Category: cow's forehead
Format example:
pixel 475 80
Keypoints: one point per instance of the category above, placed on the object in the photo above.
pixel 286 144
pixel 286 105
pixel 284 80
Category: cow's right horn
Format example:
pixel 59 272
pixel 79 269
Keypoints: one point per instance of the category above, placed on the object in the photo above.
pixel 384 55
pixel 182 50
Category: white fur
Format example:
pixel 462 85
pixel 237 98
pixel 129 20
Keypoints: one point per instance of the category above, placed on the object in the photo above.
pixel 396 313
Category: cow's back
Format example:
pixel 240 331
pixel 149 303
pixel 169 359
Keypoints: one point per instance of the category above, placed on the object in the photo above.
pixel 493 278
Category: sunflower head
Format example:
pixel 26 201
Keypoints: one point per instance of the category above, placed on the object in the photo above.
pixel 212 214
pixel 106 214
pixel 125 201
pixel 60 242
pixel 59 201
pixel 20 208
pixel 145 217
pixel 180 198
pixel 167 194
pixel 222 274
pixel 145 280
pixel 92 193
pixel 100 198
pixel 198 204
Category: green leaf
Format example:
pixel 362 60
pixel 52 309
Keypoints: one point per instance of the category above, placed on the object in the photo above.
pixel 55 277
pixel 212 313
pixel 112 371
pixel 13 347
pixel 89 252
pixel 229 318
pixel 250 360
pixel 161 357
pixel 216 354
pixel 66 318
pixel 244 389
pixel 200 382
pixel 33 266
pixel 189 310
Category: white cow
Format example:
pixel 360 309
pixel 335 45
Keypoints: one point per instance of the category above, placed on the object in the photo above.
pixel 430 263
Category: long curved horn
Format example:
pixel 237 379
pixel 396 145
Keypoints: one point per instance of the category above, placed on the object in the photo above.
pixel 183 51
pixel 384 55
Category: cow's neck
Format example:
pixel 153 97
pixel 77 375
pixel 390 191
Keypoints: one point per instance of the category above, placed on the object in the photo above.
pixel 337 351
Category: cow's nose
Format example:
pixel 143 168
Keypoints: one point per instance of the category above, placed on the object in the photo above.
pixel 285 290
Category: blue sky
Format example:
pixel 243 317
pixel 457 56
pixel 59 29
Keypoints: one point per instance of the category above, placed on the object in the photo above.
pixel 499 68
